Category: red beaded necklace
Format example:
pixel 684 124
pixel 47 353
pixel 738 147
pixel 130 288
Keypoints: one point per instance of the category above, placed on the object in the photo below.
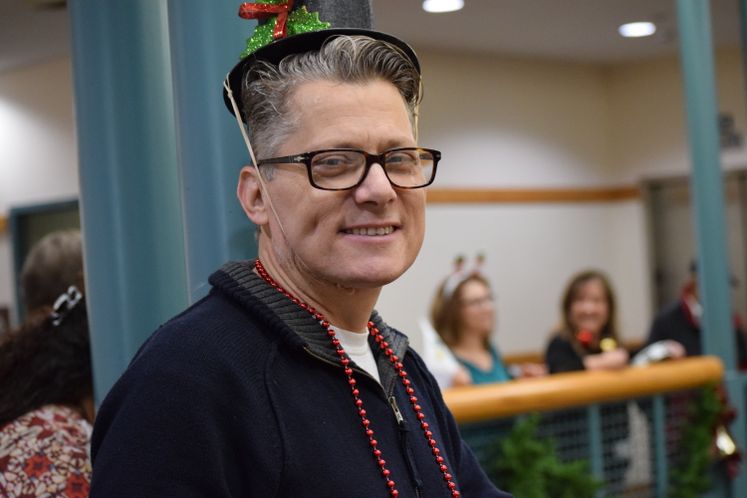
pixel 365 422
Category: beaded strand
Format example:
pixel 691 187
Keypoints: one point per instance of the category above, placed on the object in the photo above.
pixel 365 422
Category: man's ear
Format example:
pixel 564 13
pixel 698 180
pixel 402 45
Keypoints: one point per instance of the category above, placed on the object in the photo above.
pixel 251 197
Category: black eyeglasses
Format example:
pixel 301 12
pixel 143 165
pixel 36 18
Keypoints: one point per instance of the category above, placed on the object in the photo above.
pixel 343 169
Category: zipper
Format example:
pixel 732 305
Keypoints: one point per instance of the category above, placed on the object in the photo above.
pixel 397 413
pixel 407 452
pixel 400 419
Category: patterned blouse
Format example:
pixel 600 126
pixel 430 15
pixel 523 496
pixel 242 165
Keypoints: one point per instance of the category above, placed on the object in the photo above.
pixel 45 453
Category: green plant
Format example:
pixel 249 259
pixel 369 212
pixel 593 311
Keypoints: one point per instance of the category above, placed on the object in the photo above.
pixel 529 467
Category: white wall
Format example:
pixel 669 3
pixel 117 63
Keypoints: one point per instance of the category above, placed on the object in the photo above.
pixel 531 252
pixel 38 151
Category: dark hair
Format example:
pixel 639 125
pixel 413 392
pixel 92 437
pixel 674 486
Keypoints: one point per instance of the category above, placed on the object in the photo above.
pixel 570 295
pixel 446 315
pixel 52 265
pixel 42 364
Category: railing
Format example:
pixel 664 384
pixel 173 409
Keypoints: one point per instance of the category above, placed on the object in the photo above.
pixel 625 424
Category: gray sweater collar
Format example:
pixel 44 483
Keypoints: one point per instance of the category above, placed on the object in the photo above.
pixel 238 280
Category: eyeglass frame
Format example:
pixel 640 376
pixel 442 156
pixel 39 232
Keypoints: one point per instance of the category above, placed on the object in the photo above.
pixel 371 159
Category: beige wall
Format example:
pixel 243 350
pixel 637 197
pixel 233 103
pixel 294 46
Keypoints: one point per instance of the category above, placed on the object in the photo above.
pixel 648 137
pixel 38 151
pixel 515 122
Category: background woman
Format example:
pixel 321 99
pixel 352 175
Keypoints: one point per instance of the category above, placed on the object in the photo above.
pixel 465 318
pixel 587 338
pixel 46 403
pixel 463 314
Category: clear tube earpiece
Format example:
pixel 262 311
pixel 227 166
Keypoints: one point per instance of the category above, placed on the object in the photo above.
pixel 250 149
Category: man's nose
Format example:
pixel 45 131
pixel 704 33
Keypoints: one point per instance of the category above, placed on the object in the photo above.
pixel 376 187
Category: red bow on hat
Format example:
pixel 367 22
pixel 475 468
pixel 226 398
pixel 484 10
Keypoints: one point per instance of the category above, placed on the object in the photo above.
pixel 263 10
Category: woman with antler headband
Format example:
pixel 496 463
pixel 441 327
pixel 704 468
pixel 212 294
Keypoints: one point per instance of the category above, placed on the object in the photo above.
pixel 463 314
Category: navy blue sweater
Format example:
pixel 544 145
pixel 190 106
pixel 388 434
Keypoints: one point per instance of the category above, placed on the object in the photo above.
pixel 243 396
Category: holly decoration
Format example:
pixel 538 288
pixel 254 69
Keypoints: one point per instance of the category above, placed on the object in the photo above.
pixel 692 472
pixel 298 21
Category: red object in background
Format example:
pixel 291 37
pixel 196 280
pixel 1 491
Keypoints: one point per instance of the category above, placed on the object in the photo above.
pixel 584 337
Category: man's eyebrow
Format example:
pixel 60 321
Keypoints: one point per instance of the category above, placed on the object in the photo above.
pixel 389 144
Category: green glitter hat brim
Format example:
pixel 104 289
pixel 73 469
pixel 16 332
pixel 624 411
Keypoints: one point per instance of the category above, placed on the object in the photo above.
pixel 274 52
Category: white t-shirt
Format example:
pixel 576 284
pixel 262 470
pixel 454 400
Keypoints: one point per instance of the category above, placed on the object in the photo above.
pixel 356 345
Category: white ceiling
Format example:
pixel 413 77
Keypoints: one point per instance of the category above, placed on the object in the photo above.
pixel 573 30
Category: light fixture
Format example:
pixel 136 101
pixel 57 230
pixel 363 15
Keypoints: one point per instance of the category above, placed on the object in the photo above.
pixel 435 6
pixel 637 29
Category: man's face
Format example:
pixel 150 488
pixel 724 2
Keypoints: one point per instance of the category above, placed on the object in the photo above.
pixel 364 237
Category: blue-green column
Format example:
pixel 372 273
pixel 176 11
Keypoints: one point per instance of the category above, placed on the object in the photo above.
pixel 696 50
pixel 130 196
pixel 206 40
pixel 706 179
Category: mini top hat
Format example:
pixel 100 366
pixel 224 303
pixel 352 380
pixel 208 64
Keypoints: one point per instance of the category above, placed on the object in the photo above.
pixel 289 27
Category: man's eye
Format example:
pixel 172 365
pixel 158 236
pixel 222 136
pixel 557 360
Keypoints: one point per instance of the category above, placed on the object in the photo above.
pixel 332 161
pixel 402 158
pixel 338 159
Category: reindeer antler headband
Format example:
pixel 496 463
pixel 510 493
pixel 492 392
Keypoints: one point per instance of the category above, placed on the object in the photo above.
pixel 462 273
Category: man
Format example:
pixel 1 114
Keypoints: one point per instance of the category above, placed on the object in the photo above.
pixel 283 381
pixel 679 323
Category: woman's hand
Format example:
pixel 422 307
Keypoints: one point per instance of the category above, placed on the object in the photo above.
pixel 533 370
pixel 608 360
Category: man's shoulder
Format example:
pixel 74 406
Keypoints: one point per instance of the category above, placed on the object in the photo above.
pixel 670 314
pixel 205 348
pixel 214 326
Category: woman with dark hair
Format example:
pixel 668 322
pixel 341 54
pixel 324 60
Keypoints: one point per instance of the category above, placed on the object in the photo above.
pixel 587 337
pixel 46 403
pixel 587 340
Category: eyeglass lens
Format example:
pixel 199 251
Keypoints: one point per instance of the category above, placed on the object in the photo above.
pixel 345 168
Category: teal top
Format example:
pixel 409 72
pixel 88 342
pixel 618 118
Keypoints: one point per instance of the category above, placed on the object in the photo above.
pixel 496 374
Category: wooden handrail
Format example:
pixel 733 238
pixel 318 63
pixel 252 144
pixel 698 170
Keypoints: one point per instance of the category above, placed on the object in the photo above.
pixel 530 195
pixel 554 392
pixel 3 224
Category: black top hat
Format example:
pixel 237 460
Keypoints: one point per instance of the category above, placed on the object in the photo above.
pixel 351 17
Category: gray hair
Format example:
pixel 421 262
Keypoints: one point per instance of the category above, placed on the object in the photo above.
pixel 348 59
pixel 53 264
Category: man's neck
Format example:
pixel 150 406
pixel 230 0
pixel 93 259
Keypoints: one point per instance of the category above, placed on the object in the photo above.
pixel 343 307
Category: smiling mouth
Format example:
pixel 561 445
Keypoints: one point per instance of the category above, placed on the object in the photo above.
pixel 370 231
